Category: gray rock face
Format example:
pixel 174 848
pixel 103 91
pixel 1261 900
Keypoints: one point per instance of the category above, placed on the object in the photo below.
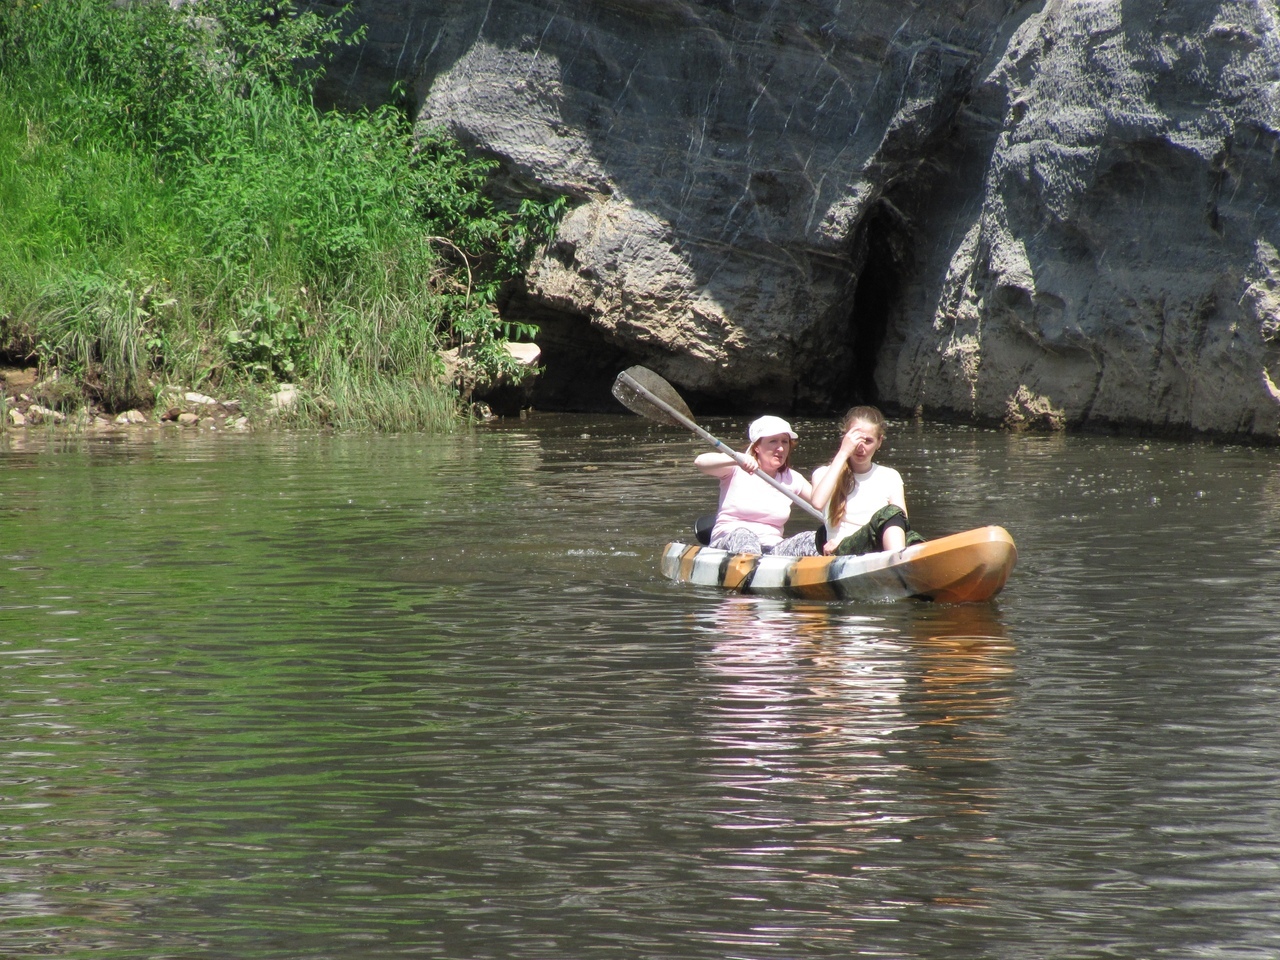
pixel 1057 213
pixel 1118 263
pixel 723 156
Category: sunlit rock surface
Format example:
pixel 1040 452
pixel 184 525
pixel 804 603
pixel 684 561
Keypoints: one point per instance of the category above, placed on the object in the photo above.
pixel 1052 213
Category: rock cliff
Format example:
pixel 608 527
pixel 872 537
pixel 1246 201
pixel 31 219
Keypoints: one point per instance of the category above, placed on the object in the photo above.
pixel 1057 213
pixel 1117 262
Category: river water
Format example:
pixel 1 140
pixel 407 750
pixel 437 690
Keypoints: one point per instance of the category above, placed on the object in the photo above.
pixel 298 696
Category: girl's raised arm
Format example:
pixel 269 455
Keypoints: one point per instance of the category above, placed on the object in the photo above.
pixel 714 464
pixel 824 487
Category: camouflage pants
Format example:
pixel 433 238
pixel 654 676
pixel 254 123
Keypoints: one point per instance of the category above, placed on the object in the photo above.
pixel 867 538
pixel 741 540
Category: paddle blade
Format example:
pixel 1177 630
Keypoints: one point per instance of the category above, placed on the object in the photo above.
pixel 642 391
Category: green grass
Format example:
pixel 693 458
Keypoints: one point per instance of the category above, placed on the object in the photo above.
pixel 175 209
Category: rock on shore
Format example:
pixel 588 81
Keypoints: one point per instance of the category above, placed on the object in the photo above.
pixel 175 406
pixel 1051 213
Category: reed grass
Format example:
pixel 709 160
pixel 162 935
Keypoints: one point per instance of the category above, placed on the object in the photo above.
pixel 176 209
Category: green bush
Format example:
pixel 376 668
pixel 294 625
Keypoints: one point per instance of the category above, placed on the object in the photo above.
pixel 176 208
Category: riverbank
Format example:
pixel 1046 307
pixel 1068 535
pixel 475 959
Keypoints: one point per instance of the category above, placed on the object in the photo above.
pixel 24 393
pixel 175 406
pixel 179 211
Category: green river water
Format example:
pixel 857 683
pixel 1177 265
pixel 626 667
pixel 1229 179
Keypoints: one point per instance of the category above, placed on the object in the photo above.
pixel 303 696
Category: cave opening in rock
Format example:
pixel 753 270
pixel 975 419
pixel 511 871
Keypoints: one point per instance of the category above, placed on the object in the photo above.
pixel 579 365
pixel 883 243
pixel 579 362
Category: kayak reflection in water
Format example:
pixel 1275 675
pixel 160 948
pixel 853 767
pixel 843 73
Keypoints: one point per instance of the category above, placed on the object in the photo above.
pixel 866 507
pixel 752 514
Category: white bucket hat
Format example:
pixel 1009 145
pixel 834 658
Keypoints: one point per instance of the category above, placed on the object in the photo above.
pixel 769 427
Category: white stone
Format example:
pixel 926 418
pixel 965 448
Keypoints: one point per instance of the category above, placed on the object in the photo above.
pixel 525 354
pixel 16 418
pixel 285 397
pixel 199 398
pixel 131 416
pixel 188 419
pixel 38 414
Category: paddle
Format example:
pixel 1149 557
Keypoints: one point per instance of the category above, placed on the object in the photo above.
pixel 642 391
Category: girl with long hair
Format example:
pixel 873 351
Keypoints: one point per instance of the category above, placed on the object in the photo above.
pixel 865 504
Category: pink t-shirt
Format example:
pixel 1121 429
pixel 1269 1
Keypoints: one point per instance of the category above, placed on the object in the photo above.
pixel 747 501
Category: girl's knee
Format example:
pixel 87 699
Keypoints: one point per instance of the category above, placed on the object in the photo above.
pixel 893 537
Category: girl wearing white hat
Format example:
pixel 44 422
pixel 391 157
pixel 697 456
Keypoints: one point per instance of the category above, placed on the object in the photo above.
pixel 752 514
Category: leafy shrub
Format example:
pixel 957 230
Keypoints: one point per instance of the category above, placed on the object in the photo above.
pixel 270 341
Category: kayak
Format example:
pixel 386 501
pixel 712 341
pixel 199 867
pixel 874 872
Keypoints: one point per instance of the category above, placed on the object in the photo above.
pixel 965 567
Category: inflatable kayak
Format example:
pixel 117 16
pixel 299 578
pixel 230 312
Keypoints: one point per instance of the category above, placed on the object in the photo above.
pixel 965 567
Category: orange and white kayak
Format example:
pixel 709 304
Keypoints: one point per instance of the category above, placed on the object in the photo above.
pixel 965 567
